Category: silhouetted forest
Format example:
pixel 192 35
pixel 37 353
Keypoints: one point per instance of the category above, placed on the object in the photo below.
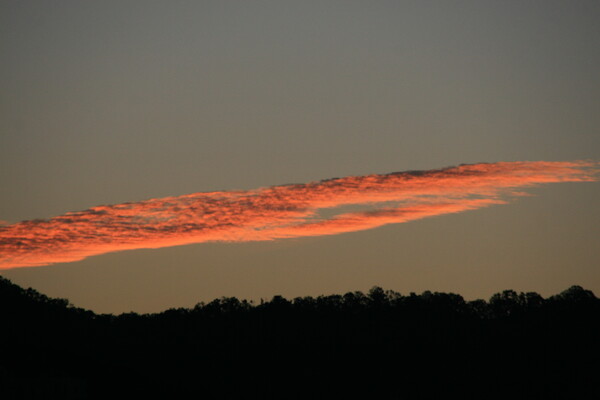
pixel 376 345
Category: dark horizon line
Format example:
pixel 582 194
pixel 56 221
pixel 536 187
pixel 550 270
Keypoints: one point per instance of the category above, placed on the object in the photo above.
pixel 376 292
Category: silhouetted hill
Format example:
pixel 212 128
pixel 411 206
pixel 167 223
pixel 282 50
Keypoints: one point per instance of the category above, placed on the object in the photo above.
pixel 378 344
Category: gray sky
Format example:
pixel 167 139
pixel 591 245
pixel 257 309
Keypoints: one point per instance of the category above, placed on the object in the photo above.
pixel 116 101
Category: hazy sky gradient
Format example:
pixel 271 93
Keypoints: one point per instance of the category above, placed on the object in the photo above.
pixel 117 101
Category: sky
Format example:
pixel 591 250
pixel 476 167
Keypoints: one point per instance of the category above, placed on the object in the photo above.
pixel 119 102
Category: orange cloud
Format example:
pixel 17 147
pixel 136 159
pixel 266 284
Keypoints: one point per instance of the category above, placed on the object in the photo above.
pixel 277 212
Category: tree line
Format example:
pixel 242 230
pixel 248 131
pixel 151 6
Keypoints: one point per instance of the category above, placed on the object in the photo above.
pixel 375 344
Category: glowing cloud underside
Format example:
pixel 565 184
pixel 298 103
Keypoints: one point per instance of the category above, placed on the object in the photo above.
pixel 277 212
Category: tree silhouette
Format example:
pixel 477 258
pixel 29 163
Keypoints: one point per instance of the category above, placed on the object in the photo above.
pixel 379 344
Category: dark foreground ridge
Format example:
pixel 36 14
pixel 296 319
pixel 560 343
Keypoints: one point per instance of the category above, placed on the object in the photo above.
pixel 376 345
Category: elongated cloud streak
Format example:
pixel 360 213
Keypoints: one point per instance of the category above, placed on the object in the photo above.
pixel 277 212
